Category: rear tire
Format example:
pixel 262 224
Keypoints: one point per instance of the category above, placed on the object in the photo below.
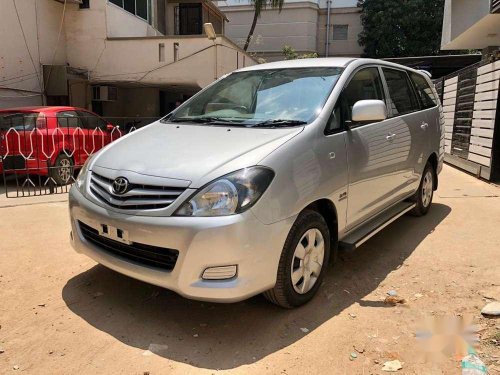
pixel 303 261
pixel 423 196
pixel 62 170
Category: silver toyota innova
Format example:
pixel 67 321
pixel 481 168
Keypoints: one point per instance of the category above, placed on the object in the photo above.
pixel 256 182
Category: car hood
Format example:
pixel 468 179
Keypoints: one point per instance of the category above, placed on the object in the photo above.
pixel 192 152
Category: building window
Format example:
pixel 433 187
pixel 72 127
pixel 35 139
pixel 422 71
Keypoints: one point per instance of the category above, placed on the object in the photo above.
pixel 161 52
pixel 141 8
pixel 188 19
pixel 340 32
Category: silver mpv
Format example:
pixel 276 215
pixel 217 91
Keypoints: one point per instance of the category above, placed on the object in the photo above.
pixel 254 183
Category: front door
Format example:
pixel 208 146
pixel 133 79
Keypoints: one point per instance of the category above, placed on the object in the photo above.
pixel 373 150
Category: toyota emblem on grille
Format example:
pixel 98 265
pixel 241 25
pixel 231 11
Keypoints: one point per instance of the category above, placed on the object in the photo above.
pixel 120 185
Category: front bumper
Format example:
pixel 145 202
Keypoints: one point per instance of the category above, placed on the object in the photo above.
pixel 202 242
pixel 18 164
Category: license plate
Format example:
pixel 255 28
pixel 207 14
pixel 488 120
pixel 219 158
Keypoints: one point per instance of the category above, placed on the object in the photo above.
pixel 113 233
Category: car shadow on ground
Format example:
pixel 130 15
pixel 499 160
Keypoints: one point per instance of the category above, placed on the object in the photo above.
pixel 225 336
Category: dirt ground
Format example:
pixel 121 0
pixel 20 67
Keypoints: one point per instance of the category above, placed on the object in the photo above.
pixel 61 313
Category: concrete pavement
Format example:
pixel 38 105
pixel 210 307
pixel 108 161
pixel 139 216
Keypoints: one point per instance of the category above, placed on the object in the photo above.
pixel 60 313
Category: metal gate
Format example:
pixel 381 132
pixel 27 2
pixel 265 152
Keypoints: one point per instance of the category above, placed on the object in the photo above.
pixel 41 154
pixel 471 108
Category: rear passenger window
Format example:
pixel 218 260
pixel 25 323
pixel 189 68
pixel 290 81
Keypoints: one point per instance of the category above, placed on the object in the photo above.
pixel 91 121
pixel 401 97
pixel 68 119
pixel 365 84
pixel 424 91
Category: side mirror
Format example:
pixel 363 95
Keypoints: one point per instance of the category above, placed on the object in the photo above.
pixel 110 127
pixel 369 111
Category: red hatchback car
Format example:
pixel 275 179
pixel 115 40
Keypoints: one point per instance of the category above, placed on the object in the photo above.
pixel 51 141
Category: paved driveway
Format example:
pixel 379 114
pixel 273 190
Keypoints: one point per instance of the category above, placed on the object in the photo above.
pixel 60 313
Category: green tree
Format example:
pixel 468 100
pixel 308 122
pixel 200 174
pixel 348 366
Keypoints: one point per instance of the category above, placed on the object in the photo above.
pixel 258 6
pixel 400 28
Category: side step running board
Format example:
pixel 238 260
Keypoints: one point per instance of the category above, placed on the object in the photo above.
pixel 362 234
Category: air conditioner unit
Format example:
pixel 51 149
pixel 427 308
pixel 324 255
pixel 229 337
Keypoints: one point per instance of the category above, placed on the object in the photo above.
pixel 104 93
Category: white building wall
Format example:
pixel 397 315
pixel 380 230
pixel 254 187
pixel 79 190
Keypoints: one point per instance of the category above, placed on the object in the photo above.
pixel 469 25
pixel 100 43
pixel 301 25
pixel 21 78
pixel 104 44
pixel 124 24
pixel 296 26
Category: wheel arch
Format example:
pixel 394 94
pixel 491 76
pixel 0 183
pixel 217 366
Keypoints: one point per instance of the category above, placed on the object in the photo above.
pixel 326 208
pixel 62 151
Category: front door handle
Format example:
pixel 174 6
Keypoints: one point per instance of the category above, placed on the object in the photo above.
pixel 390 137
pixel 424 125
pixel 331 155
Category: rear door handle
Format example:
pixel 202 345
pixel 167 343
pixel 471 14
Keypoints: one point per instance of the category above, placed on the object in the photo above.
pixel 390 137
pixel 424 125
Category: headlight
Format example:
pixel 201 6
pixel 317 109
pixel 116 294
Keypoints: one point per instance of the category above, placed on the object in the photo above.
pixel 82 175
pixel 230 194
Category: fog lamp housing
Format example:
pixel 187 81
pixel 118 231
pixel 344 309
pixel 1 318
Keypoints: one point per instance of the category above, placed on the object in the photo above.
pixel 220 272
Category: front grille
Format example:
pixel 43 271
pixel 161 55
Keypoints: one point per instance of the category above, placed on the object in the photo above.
pixel 152 256
pixel 137 196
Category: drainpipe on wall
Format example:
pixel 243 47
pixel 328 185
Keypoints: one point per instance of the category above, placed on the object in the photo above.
pixel 327 39
pixel 42 82
pixel 216 61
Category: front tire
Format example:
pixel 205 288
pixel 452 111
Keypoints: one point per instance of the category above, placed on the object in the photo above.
pixel 303 261
pixel 423 196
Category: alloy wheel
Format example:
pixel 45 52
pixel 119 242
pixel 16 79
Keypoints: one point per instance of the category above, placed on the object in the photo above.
pixel 427 189
pixel 64 169
pixel 307 261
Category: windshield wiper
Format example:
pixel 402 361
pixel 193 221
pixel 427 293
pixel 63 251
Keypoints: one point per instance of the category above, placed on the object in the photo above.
pixel 277 123
pixel 202 120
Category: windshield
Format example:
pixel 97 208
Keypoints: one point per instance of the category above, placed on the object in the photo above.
pixel 265 97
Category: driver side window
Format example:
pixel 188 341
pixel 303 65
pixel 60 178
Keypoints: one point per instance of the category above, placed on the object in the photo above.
pixel 365 84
